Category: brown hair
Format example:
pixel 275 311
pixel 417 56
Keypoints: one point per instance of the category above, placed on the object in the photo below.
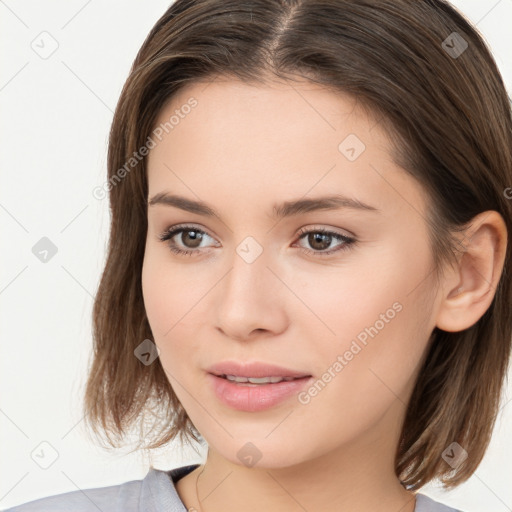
pixel 446 110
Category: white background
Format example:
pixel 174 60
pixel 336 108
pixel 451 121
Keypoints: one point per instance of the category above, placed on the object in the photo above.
pixel 55 118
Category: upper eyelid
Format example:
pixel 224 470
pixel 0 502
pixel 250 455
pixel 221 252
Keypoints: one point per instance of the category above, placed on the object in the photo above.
pixel 299 231
pixel 186 227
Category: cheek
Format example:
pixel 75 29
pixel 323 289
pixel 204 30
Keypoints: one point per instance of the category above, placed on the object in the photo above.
pixel 346 304
pixel 367 372
pixel 381 331
pixel 153 292
pixel 164 295
pixel 165 290
pixel 173 303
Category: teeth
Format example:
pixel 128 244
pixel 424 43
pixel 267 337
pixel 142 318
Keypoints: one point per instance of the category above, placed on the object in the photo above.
pixel 257 380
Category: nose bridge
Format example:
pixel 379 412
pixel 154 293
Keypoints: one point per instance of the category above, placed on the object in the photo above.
pixel 249 299
pixel 249 267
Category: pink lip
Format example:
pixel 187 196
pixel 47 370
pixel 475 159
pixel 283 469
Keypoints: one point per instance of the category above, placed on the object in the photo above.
pixel 253 369
pixel 255 397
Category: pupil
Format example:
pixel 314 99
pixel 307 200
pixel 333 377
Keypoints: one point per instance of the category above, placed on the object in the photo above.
pixel 319 237
pixel 196 238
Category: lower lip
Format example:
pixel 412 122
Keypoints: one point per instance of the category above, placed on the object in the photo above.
pixel 255 397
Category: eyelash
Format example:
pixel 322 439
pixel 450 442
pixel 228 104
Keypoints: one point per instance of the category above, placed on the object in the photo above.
pixel 172 232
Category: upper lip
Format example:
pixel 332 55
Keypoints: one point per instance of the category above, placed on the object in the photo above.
pixel 254 369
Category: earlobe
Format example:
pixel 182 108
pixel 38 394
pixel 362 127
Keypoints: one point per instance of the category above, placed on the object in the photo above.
pixel 470 288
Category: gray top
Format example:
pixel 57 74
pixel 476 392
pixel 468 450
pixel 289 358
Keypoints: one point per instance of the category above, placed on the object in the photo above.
pixel 155 493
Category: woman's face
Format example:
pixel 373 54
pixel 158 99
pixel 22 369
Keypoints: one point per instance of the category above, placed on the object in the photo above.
pixel 263 287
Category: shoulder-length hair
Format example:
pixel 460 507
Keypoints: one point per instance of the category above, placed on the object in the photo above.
pixel 421 69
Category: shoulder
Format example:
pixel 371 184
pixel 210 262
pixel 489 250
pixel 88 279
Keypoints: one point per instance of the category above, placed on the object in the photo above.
pixel 155 493
pixel 426 504
pixel 100 498
pixel 85 500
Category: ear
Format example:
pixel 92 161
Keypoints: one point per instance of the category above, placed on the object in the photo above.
pixel 468 289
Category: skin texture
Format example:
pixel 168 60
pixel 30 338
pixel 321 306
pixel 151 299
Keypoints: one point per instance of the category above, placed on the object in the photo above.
pixel 242 149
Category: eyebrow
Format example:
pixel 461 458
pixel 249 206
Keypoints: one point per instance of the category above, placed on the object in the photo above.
pixel 280 211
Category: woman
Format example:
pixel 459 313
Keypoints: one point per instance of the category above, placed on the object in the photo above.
pixel 308 256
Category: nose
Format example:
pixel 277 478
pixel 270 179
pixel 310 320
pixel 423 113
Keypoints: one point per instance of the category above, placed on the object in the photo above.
pixel 251 299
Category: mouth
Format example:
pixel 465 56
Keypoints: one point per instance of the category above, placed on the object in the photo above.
pixel 255 394
pixel 258 381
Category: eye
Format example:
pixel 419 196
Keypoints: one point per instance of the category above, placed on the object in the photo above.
pixel 320 239
pixel 193 239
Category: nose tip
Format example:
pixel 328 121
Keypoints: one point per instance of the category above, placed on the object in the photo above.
pixel 248 302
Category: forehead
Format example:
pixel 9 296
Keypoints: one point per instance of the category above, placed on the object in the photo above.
pixel 301 138
pixel 271 102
